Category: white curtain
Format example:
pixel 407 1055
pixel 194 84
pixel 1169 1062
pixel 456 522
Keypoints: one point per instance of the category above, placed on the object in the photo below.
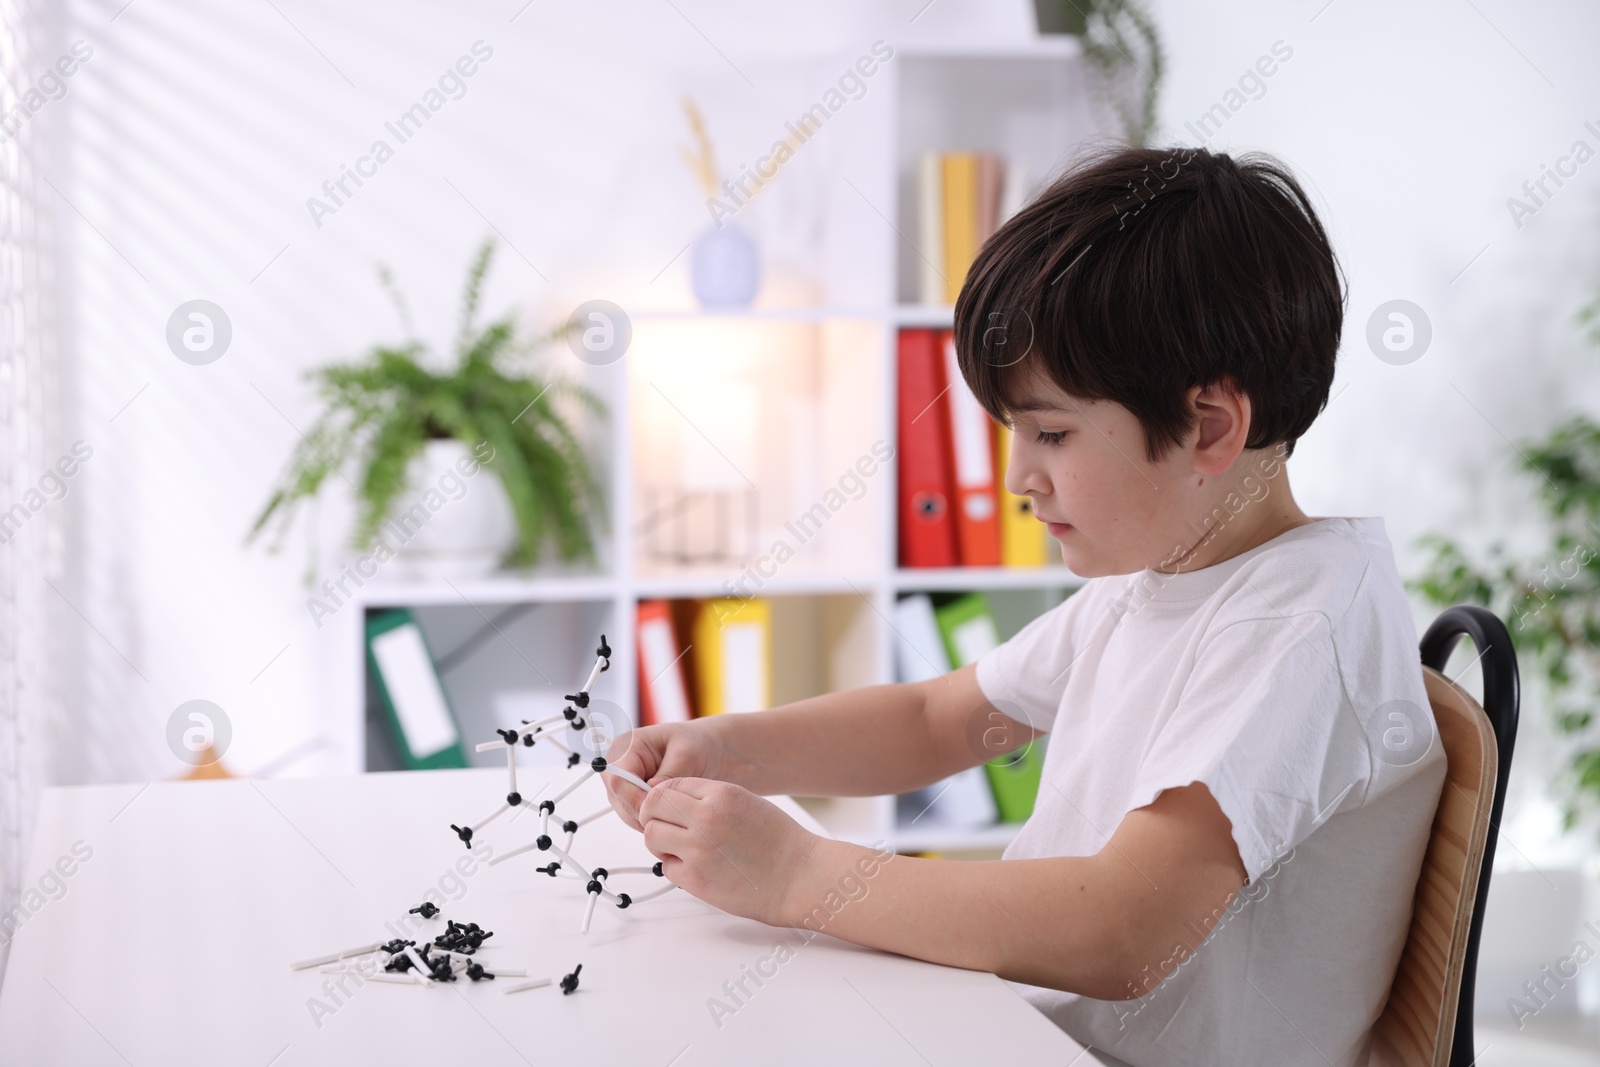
pixel 29 523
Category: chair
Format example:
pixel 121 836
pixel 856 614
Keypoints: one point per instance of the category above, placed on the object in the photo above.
pixel 1427 1021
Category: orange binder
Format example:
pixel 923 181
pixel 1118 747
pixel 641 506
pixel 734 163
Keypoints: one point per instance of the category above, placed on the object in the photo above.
pixel 976 504
pixel 663 693
pixel 927 535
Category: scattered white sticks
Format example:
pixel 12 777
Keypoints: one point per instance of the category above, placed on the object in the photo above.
pixel 320 960
pixel 416 958
pixel 537 983
pixel 394 979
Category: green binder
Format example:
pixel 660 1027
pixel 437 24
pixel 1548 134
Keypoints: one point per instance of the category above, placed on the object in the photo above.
pixel 967 626
pixel 1015 780
pixel 414 699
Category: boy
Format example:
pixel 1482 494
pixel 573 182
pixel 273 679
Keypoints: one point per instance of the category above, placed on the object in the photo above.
pixel 1220 865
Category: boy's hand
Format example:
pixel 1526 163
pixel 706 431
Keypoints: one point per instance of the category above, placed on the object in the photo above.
pixel 657 753
pixel 727 846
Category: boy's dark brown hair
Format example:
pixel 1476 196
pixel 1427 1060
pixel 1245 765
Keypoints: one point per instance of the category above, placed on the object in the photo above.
pixel 1142 272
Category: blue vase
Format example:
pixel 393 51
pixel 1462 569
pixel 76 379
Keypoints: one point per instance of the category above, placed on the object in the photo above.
pixel 724 267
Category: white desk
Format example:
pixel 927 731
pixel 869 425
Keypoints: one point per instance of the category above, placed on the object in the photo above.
pixel 172 944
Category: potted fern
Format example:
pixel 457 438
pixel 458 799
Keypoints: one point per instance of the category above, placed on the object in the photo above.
pixel 418 438
pixel 1123 51
pixel 1549 597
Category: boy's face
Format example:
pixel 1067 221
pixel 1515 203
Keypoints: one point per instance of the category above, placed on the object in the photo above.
pixel 1083 465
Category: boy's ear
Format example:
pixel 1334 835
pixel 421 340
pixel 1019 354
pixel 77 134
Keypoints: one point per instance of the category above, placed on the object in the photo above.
pixel 1223 424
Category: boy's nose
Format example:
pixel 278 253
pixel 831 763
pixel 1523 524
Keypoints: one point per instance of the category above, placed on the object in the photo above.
pixel 1022 476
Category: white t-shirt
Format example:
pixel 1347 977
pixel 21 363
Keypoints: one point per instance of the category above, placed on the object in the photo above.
pixel 1288 680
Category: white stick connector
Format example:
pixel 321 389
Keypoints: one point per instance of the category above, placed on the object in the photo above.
pixel 511 765
pixel 422 966
pixel 304 965
pixel 395 979
pixel 651 896
pixel 542 723
pixel 587 819
pixel 514 852
pixel 584 777
pixel 599 665
pixel 566 860
pixel 501 810
pixel 628 776
pixel 537 983
pixel 588 912
pixel 490 746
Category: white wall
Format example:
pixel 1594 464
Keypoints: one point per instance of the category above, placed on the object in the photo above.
pixel 1413 124
pixel 198 130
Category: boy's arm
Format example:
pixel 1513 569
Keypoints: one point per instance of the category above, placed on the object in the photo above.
pixel 1107 926
pixel 863 742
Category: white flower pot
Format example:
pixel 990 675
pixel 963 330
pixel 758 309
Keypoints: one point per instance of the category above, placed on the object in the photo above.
pixel 448 523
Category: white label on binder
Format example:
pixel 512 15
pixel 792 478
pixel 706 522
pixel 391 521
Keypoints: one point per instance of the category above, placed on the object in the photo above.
pixel 970 429
pixel 973 638
pixel 744 668
pixel 666 686
pixel 413 687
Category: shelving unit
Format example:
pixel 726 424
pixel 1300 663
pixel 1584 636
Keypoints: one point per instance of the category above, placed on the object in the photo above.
pixel 782 400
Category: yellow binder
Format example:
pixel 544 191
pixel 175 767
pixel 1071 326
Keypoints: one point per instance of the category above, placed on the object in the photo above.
pixel 1022 537
pixel 960 174
pixel 733 656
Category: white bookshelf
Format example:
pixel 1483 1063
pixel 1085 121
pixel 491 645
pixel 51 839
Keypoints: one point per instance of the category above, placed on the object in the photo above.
pixel 821 376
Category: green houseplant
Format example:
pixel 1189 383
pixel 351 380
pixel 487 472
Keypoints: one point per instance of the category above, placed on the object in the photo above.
pixel 382 410
pixel 1550 598
pixel 1123 51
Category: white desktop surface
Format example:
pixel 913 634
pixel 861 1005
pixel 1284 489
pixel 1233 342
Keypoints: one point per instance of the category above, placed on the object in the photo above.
pixel 172 944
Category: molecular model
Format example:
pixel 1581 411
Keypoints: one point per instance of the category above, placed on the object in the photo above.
pixel 408 963
pixel 591 738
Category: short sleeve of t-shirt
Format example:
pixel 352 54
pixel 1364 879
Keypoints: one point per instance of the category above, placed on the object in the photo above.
pixel 1263 720
pixel 1030 669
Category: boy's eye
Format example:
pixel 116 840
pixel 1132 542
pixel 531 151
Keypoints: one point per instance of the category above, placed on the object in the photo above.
pixel 1048 438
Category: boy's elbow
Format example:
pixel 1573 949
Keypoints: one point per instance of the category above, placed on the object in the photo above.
pixel 1120 972
pixel 1140 960
pixel 1101 971
pixel 1106 958
pixel 1119 949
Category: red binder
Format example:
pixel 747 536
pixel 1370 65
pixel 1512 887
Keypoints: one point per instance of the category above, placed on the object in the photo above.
pixel 927 532
pixel 663 692
pixel 976 502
